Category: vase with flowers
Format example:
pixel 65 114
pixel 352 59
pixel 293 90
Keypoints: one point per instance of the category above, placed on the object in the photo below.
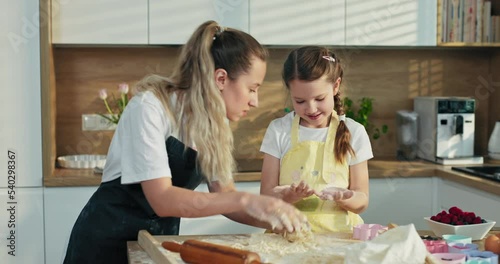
pixel 116 109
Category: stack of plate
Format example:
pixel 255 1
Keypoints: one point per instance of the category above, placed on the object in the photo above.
pixel 82 161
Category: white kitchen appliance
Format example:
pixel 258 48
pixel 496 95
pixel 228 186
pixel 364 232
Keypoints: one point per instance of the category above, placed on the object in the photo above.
pixel 446 130
pixel 407 131
pixel 21 190
pixel 494 142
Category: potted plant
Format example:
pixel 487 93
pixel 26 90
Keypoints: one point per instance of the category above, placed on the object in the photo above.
pixel 361 114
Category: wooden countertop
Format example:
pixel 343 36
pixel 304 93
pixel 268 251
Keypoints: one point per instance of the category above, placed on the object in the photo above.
pixel 87 177
pixel 386 168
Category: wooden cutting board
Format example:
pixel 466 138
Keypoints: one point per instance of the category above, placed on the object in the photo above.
pixel 271 247
pixel 148 249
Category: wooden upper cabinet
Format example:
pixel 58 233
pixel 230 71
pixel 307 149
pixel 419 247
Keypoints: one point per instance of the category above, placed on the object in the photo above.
pixel 100 22
pixel 298 22
pixel 173 21
pixel 391 23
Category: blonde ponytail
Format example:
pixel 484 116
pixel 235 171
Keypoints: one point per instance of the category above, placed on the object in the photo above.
pixel 200 113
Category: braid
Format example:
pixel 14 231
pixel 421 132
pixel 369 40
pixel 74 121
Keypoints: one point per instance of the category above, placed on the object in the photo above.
pixel 339 106
pixel 342 144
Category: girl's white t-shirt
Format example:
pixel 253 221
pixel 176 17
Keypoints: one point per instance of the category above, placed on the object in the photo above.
pixel 277 140
pixel 137 151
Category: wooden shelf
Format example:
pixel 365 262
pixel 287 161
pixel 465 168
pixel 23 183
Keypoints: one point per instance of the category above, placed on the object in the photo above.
pixel 495 8
pixel 468 44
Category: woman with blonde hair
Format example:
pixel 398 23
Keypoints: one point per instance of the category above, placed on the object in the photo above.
pixel 174 133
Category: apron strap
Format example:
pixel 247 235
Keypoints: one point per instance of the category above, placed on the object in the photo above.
pixel 328 151
pixel 329 154
pixel 330 137
pixel 294 137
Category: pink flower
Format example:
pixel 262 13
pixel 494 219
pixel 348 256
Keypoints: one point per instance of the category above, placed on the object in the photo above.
pixel 123 88
pixel 117 106
pixel 103 94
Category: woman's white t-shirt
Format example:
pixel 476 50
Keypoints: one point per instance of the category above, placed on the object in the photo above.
pixel 137 151
pixel 277 140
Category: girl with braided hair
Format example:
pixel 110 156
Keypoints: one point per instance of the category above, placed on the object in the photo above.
pixel 314 157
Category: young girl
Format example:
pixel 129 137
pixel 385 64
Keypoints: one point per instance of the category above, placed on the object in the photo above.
pixel 315 157
pixel 150 172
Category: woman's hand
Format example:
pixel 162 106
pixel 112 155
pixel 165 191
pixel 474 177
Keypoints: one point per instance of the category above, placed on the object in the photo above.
pixel 279 214
pixel 335 194
pixel 295 192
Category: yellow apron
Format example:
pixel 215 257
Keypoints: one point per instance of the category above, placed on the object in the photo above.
pixel 314 162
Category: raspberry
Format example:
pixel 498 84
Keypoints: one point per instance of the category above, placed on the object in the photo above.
pixel 456 216
pixel 446 219
pixel 455 210
pixel 469 218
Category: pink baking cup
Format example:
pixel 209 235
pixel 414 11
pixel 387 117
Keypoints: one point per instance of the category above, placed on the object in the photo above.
pixel 450 258
pixel 436 246
pixel 368 231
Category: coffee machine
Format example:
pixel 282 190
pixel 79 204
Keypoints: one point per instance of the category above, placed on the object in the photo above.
pixel 446 130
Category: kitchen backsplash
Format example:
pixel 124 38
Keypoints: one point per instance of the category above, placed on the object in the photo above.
pixel 392 77
pixel 493 92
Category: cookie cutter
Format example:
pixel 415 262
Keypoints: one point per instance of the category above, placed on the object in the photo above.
pixel 368 231
pixel 482 256
pixel 436 246
pixel 461 247
pixel 450 258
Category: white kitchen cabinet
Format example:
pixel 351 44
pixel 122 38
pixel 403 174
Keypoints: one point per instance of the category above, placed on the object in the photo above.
pixel 100 22
pixel 469 199
pixel 402 201
pixel 21 230
pixel 391 23
pixel 172 21
pixel 62 207
pixel 219 224
pixel 20 103
pixel 298 22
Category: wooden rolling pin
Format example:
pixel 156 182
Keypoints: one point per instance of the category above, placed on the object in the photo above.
pixel 194 251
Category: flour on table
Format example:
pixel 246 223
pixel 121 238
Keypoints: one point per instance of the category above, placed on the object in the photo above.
pixel 273 248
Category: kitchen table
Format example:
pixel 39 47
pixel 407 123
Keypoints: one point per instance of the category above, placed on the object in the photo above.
pixel 137 254
pixel 272 248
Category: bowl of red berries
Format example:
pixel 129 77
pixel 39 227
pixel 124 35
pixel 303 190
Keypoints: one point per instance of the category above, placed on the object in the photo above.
pixel 458 222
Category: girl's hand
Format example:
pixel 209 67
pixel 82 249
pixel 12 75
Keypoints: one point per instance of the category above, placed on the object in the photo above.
pixel 279 214
pixel 335 194
pixel 295 192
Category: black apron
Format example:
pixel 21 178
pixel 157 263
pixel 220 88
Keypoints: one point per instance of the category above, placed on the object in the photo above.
pixel 116 212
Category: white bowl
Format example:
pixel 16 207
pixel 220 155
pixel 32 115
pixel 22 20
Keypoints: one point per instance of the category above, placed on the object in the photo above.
pixel 475 231
pixel 82 161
